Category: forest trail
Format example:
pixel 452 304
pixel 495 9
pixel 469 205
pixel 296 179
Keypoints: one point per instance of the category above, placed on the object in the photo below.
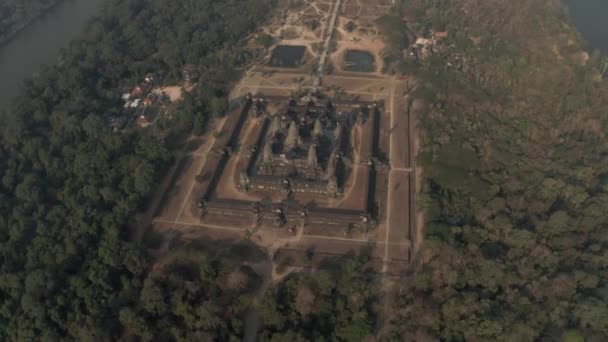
pixel 265 269
pixel 253 320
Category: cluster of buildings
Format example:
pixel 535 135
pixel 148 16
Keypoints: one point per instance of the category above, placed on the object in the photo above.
pixel 300 150
pixel 299 156
pixel 142 101
pixel 423 48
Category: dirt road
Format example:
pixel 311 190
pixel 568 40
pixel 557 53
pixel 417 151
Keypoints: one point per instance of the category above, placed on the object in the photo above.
pixel 326 46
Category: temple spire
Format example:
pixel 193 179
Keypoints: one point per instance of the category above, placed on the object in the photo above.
pixel 267 156
pixel 332 164
pixel 318 129
pixel 332 187
pixel 275 126
pixel 293 136
pixel 313 161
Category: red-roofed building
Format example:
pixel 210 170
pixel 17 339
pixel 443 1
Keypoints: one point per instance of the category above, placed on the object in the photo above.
pixel 150 99
pixel 441 35
pixel 136 91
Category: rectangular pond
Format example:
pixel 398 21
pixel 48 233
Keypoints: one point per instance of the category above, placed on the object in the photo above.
pixel 359 61
pixel 287 56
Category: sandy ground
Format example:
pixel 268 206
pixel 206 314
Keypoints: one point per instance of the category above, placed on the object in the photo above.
pixel 367 87
pixel 355 191
pixel 366 9
pixel 381 194
pixel 399 214
pixel 277 83
pixel 177 194
pixel 174 92
pixel 399 132
pixel 294 28
pixel 366 39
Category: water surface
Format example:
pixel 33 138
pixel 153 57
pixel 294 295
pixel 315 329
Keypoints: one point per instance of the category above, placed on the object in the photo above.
pixel 287 56
pixel 360 61
pixel 591 19
pixel 40 42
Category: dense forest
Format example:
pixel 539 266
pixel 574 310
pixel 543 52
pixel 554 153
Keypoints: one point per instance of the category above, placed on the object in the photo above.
pixel 196 294
pixel 70 187
pixel 334 304
pixel 16 14
pixel 515 158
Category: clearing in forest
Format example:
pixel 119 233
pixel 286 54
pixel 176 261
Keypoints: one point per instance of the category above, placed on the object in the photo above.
pixel 308 166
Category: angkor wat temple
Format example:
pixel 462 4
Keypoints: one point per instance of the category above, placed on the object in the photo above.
pixel 294 162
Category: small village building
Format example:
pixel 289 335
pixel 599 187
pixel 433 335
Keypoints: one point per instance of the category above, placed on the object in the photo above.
pixel 135 103
pixel 142 121
pixel 141 90
pixel 136 91
pixel 150 99
pixel 440 35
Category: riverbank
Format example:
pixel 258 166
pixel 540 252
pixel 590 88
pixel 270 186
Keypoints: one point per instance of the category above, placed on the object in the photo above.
pixel 5 37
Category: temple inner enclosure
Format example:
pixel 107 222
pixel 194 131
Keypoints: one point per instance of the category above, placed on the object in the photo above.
pixel 314 158
pixel 307 162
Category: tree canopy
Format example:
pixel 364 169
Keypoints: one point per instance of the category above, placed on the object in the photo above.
pixel 70 187
pixel 328 305
pixel 516 178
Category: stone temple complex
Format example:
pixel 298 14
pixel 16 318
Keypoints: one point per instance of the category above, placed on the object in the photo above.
pixel 314 157
pixel 284 160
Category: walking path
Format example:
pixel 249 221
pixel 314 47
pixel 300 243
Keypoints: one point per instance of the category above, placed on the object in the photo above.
pixel 397 213
pixel 326 47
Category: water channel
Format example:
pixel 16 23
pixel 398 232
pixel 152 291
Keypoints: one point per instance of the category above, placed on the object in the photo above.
pixel 40 42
